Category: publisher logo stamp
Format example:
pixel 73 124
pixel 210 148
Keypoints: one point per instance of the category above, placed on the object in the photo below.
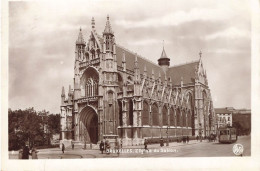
pixel 238 149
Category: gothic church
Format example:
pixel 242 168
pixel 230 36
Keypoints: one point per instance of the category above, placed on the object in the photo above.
pixel 119 94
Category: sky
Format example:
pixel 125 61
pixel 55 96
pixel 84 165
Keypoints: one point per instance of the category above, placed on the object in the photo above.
pixel 42 39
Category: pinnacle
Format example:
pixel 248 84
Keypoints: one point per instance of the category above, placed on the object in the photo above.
pixel 93 23
pixel 80 39
pixel 123 57
pixel 63 91
pixel 108 28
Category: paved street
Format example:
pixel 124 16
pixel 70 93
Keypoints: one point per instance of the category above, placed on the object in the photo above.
pixel 192 149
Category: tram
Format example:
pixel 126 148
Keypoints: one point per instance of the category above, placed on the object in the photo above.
pixel 227 135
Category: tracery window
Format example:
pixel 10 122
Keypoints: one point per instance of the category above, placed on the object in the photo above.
pixel 91 87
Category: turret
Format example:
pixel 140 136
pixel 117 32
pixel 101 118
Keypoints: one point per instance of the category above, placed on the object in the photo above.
pixel 108 36
pixel 80 47
pixel 164 61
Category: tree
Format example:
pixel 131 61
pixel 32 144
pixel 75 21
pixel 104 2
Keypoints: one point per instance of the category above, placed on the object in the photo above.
pixel 31 127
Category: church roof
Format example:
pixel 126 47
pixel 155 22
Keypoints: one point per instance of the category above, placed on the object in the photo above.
pixel 185 72
pixel 222 111
pixel 142 63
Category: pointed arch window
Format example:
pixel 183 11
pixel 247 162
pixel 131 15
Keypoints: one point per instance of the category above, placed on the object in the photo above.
pixel 91 87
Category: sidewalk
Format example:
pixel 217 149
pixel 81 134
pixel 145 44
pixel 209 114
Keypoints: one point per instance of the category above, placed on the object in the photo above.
pixel 77 153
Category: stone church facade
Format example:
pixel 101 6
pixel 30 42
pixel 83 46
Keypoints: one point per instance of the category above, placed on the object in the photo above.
pixel 118 94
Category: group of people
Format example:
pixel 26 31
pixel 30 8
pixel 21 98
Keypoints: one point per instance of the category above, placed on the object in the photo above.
pixel 210 138
pixel 25 152
pixel 105 146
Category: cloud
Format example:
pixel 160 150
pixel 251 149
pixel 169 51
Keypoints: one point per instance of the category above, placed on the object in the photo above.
pixel 179 17
pixel 42 42
pixel 231 32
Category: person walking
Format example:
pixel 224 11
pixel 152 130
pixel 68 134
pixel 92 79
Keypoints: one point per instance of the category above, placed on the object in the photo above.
pixel 161 142
pixel 101 147
pixel 145 145
pixel 34 153
pixel 197 138
pixel 63 148
pixel 72 146
pixel 26 152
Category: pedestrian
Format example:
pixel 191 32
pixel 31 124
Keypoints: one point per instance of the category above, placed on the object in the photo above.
pixel 178 140
pixel 20 154
pixel 145 144
pixel 72 146
pixel 197 137
pixel 188 139
pixel 26 152
pixel 121 143
pixel 101 147
pixel 63 148
pixel 161 142
pixel 34 153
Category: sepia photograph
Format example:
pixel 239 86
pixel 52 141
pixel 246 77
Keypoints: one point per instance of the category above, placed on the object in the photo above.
pixel 129 79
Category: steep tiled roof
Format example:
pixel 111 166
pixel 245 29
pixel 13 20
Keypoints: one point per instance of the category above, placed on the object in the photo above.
pixel 186 72
pixel 130 60
pixel 222 111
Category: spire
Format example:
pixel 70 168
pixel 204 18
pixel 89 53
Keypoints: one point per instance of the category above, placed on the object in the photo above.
pixel 62 92
pixel 200 54
pixel 136 62
pixel 108 29
pixel 123 60
pixel 70 92
pixel 145 71
pixel 163 55
pixel 80 40
pixel 152 74
pixel 164 61
pixel 93 23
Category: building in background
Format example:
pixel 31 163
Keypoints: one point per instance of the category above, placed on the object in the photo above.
pixel 224 116
pixel 238 118
pixel 119 94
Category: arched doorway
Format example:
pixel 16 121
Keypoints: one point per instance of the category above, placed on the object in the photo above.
pixel 88 121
